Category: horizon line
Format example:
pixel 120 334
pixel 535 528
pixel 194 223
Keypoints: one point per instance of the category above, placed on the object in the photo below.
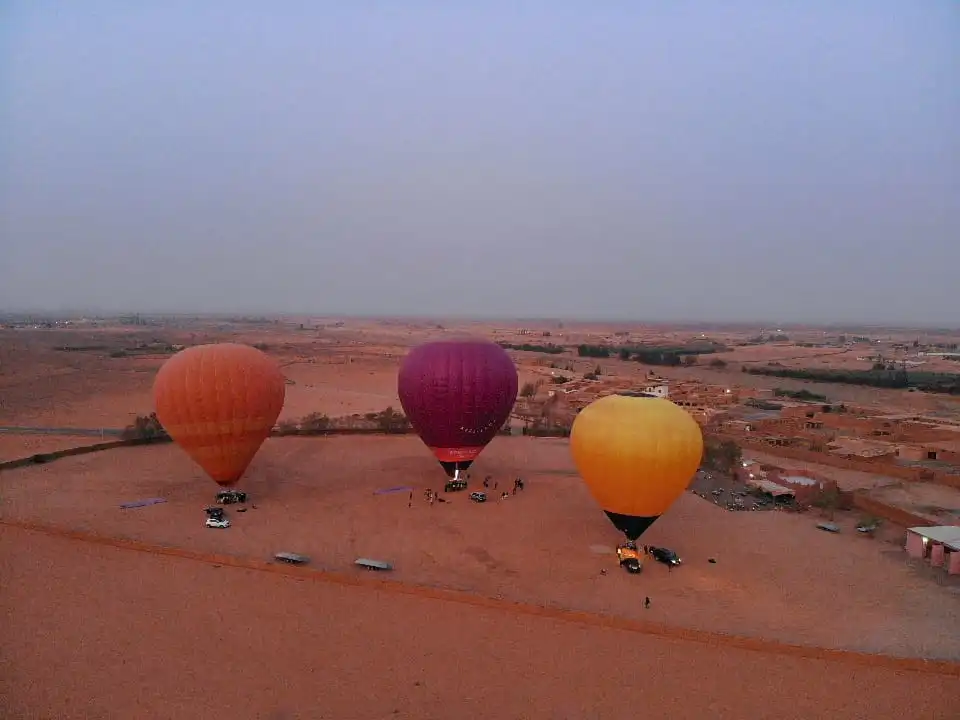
pixel 763 324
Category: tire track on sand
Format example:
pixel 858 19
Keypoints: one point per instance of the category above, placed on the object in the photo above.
pixel 704 637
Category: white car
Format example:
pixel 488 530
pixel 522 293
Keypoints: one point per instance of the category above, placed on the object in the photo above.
pixel 218 523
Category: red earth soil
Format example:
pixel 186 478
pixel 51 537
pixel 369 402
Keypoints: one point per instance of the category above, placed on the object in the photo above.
pixel 173 637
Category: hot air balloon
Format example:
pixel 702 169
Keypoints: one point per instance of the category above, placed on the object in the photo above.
pixel 219 403
pixel 457 395
pixel 637 456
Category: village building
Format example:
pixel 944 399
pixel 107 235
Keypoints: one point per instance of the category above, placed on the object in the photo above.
pixel 939 544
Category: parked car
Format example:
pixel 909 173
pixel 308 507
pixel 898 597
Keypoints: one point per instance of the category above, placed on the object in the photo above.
pixel 214 512
pixel 665 556
pixel 478 497
pixel 217 522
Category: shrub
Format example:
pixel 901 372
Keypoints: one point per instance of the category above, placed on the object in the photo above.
pixel 145 427
pixel 287 427
pixel 314 424
pixel 391 421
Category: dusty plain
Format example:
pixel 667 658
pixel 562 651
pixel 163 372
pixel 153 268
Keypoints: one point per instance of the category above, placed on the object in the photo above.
pixel 140 625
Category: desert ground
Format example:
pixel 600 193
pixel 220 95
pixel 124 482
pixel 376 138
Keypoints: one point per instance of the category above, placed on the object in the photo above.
pixel 776 576
pixel 100 632
pixel 87 580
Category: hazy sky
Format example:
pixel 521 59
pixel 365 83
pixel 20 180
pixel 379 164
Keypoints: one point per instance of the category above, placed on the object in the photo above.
pixel 635 159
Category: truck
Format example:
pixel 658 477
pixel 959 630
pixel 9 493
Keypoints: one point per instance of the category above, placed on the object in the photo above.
pixel 630 558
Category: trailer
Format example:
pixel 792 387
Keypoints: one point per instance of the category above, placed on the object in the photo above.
pixel 368 564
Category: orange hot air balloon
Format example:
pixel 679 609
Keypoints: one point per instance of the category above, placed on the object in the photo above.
pixel 219 403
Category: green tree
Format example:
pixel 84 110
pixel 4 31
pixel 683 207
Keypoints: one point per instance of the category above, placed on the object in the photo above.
pixel 314 424
pixel 724 456
pixel 392 421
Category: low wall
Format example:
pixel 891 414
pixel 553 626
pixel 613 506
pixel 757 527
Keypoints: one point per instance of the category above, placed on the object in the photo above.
pixel 895 515
pixel 41 458
pixel 344 431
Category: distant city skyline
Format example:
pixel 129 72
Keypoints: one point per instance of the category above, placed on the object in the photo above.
pixel 744 162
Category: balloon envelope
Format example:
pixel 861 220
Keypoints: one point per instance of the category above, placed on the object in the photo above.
pixel 637 456
pixel 219 403
pixel 457 395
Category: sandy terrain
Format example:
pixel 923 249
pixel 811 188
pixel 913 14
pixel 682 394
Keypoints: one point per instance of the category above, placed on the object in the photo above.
pixel 151 636
pixel 939 503
pixel 881 399
pixel 176 638
pixel 349 366
pixel 776 577
pixel 336 371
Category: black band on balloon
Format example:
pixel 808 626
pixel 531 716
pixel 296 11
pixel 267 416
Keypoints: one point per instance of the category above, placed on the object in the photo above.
pixel 451 467
pixel 633 526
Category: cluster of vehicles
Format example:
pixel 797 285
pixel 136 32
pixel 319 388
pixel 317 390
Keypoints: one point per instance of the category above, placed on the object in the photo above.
pixel 216 515
pixel 631 558
pixel 459 484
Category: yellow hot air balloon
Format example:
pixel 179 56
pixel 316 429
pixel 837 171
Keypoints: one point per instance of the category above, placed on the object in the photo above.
pixel 637 456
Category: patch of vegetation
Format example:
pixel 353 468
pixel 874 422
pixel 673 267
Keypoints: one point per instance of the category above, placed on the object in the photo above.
pixel 721 455
pixel 828 500
pixel 80 348
pixel 549 349
pixel 528 390
pixel 799 395
pixel 559 379
pixel 287 427
pixel 544 428
pixel 718 363
pixel 594 351
pixel 314 424
pixel 391 421
pixel 145 427
pixel 762 404
pixel 387 421
pixel 654 355
pixel 947 383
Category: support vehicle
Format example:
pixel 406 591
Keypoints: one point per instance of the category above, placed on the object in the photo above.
pixel 217 522
pixel 455 485
pixel 230 497
pixel 629 557
pixel 665 556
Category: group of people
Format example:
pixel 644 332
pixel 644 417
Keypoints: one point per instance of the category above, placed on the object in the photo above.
pixel 517 485
pixel 431 496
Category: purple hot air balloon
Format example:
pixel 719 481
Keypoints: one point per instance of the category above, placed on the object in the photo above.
pixel 457 395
